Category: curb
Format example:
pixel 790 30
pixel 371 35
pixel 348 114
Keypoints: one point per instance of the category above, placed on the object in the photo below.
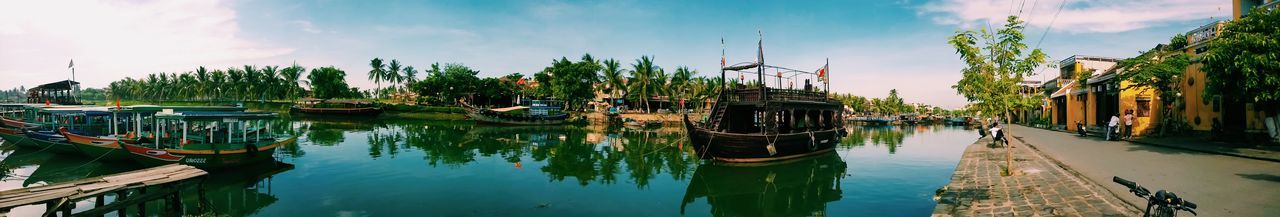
pixel 1178 147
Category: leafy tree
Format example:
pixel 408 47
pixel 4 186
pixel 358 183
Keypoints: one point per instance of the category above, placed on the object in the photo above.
pixel 995 64
pixel 1244 63
pixel 1159 70
pixel 329 82
pixel 573 82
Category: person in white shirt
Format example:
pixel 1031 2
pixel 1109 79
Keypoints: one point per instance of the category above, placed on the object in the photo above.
pixel 1128 125
pixel 1111 126
pixel 996 135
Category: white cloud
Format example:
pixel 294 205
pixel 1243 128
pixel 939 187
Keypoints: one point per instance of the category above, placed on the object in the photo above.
pixel 306 26
pixel 110 38
pixel 1076 15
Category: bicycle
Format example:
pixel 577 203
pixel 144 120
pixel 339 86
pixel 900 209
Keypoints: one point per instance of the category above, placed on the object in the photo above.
pixel 1166 204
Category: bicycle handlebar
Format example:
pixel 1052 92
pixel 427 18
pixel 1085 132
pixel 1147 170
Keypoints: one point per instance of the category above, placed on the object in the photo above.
pixel 1124 182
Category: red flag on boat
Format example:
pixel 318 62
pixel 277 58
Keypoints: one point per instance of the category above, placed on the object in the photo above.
pixel 117 102
pixel 822 73
pixel 779 74
pixel 46 102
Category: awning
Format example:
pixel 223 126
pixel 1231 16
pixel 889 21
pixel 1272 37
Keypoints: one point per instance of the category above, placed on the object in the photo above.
pixel 1064 90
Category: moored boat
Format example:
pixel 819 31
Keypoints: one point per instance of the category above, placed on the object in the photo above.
pixel 210 140
pixel 763 123
pixel 538 112
pixel 336 107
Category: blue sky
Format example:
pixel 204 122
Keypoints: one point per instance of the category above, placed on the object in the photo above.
pixel 873 46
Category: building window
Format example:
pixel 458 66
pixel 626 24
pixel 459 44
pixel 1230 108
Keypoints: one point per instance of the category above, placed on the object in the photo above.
pixel 1144 107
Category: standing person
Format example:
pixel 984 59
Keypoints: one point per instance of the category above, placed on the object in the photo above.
pixel 1111 126
pixel 1128 125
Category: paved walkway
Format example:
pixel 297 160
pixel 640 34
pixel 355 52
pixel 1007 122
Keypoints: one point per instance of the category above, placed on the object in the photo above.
pixel 1039 187
pixel 1221 185
pixel 1268 152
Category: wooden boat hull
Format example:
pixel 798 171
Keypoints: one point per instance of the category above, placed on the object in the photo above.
pixel 16 137
pixel 205 159
pixel 337 111
pixel 96 147
pixel 52 141
pixel 733 147
pixel 799 187
pixel 482 118
pixel 13 123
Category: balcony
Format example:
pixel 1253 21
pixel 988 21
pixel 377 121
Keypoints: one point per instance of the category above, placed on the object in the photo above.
pixel 775 95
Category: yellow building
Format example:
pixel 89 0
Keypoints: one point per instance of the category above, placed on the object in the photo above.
pixel 1201 112
pixel 1086 104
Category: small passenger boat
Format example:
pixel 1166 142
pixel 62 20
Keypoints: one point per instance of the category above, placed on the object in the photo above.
pixel 336 107
pixel 537 112
pixel 210 140
pixel 763 123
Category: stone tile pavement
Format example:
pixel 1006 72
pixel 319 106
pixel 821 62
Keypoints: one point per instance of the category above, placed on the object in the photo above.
pixel 1039 186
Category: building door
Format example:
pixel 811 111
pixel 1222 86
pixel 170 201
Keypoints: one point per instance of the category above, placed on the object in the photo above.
pixel 1233 115
pixel 1060 107
pixel 1108 104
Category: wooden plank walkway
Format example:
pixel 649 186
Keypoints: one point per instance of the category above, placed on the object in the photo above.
pixel 55 196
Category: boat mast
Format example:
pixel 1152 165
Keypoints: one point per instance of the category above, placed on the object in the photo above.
pixel 760 69
pixel 722 84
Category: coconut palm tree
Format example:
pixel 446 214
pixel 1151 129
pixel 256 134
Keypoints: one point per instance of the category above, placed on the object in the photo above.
pixel 642 79
pixel 292 75
pixel 392 74
pixel 378 73
pixel 613 81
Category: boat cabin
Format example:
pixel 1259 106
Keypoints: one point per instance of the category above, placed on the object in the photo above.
pixel 544 107
pixel 206 128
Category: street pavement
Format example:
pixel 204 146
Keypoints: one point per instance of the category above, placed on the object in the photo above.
pixel 1221 185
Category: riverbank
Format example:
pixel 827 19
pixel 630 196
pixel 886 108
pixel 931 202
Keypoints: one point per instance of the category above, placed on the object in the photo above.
pixel 1038 186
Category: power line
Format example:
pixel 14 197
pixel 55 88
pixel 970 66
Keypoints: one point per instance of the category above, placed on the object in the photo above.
pixel 1050 26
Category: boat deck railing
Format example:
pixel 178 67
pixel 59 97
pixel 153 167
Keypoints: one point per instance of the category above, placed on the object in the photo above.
pixel 753 95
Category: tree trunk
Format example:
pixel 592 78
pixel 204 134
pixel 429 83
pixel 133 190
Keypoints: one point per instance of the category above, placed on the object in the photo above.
pixel 1008 146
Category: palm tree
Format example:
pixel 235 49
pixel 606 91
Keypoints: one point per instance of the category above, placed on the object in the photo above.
pixel 680 83
pixel 613 81
pixel 410 74
pixel 270 83
pixel 292 75
pixel 378 72
pixel 393 73
pixel 202 83
pixel 642 79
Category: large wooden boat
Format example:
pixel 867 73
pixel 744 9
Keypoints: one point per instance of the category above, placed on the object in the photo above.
pixel 336 107
pixel 763 123
pixel 537 112
pixel 210 140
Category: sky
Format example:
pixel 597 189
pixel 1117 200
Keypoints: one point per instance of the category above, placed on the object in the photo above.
pixel 872 46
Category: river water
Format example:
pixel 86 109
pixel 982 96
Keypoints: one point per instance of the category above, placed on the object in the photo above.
pixel 358 167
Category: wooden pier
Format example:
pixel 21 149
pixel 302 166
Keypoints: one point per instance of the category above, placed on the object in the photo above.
pixel 130 188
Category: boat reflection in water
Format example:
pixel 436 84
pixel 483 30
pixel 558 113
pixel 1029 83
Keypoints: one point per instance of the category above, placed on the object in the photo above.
pixel 240 192
pixel 800 187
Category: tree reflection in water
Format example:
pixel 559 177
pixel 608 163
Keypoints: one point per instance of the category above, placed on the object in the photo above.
pixel 889 136
pixel 586 155
pixel 800 187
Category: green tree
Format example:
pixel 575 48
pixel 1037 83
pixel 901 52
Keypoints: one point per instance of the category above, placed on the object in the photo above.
pixel 329 82
pixel 1243 63
pixel 573 82
pixel 378 73
pixel 613 80
pixel 1159 70
pixel 995 64
pixel 292 76
pixel 642 80
pixel 392 74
